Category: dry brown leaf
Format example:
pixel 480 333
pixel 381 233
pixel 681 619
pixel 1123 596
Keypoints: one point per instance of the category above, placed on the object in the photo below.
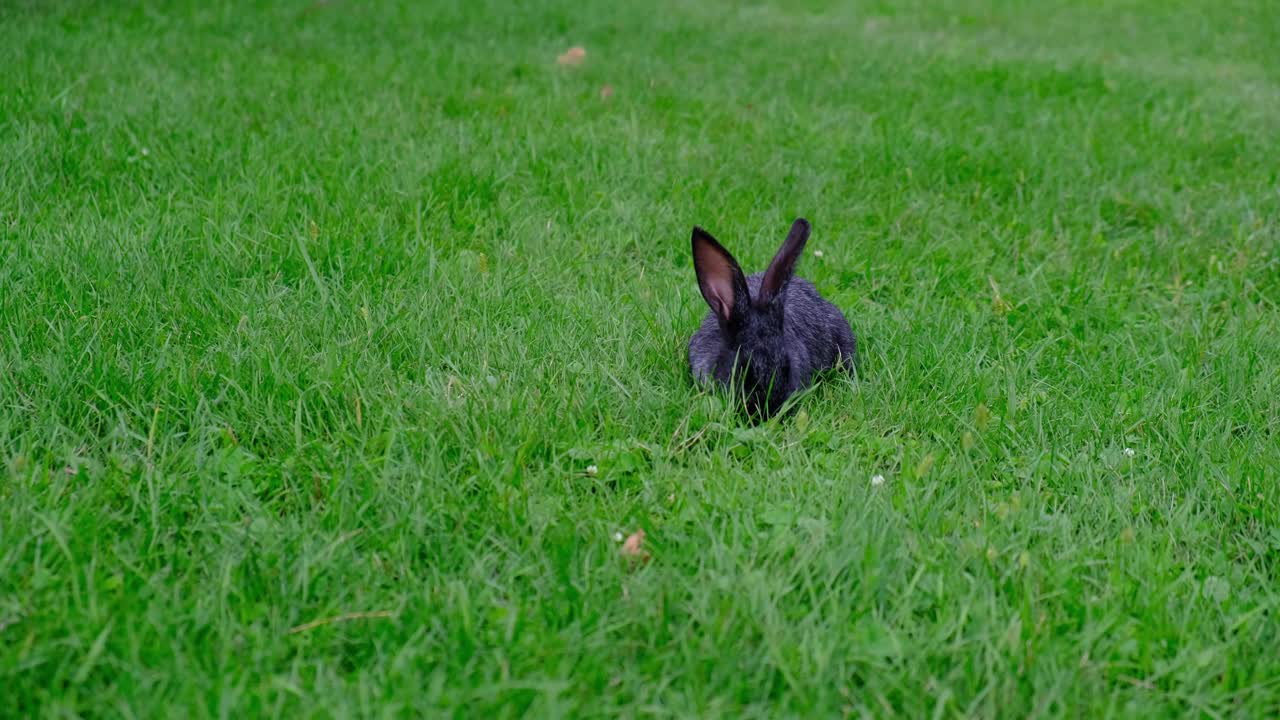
pixel 633 547
pixel 316 6
pixel 606 92
pixel 573 56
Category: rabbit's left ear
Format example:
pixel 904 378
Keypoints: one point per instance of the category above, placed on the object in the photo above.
pixel 721 280
pixel 784 263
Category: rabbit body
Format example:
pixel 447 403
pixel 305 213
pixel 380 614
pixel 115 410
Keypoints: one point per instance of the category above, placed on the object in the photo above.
pixel 768 333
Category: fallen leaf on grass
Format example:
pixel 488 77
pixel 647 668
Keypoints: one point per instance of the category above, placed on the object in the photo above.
pixel 315 7
pixel 606 92
pixel 633 547
pixel 573 56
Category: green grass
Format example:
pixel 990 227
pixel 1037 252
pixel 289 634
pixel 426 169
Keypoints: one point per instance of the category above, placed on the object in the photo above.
pixel 317 309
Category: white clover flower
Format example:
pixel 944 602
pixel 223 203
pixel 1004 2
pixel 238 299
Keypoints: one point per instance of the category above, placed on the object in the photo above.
pixel 817 253
pixel 877 480
pixel 592 470
pixel 1128 452
pixel 617 537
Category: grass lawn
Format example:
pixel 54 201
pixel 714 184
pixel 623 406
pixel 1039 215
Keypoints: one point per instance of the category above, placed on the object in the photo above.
pixel 313 316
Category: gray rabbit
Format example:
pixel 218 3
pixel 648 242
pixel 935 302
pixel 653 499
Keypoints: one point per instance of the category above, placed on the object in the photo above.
pixel 766 334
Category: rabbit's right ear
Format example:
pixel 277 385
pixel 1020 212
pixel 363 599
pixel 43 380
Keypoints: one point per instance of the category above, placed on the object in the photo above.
pixel 721 280
pixel 784 263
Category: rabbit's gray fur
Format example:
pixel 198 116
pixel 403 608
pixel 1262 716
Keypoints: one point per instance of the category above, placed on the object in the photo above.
pixel 770 345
